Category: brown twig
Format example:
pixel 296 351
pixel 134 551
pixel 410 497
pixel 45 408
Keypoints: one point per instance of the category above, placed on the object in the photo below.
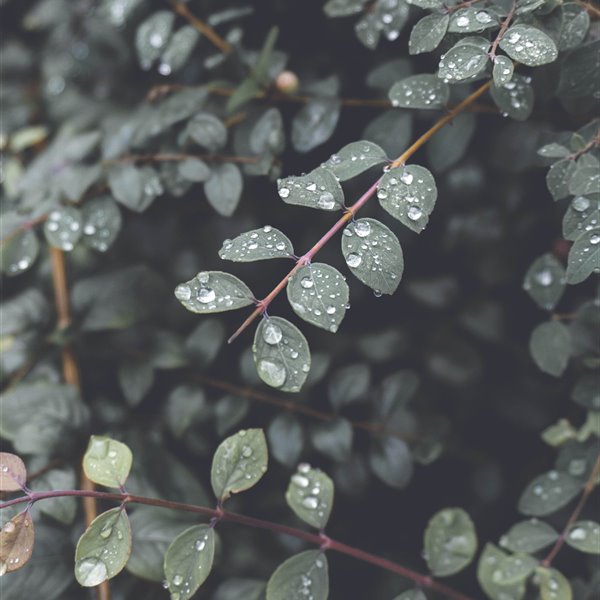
pixel 592 10
pixel 503 28
pixel 177 157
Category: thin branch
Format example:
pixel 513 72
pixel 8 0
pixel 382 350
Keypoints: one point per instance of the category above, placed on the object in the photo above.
pixel 503 28
pixel 178 157
pixel 587 490
pixel 181 9
pixel 592 10
pixel 320 540
pixel 351 212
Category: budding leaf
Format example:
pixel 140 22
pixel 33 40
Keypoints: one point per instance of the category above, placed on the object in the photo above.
pixel 13 473
pixel 550 347
pixel 281 354
pixel 545 281
pixel 258 244
pixel 529 45
pixel 103 549
pixel 238 463
pixel 107 462
pixel 188 561
pixel 450 542
pixel 585 537
pixel 420 91
pixel 318 189
pixel 310 495
pixel 319 294
pixel 529 536
pixel 355 158
pixel 16 542
pixel 408 194
pixel 547 493
pixel 213 291
pixel 303 575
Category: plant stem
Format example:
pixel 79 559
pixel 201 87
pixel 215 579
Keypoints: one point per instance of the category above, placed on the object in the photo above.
pixel 587 490
pixel 349 214
pixel 503 28
pixel 320 540
pixel 179 157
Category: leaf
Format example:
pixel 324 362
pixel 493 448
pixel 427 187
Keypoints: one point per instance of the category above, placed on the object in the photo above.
pixel 450 542
pixel 286 439
pixel 229 411
pixel 579 73
pixel 585 537
pixel 125 182
pixel 355 158
pixel 515 98
pixel 103 549
pixel 529 45
pixel 61 509
pixel 427 34
pixel 223 188
pixel 205 341
pixel 310 495
pixel 16 542
pixel 587 391
pixel 408 194
pixel 513 570
pixel 152 36
pixel 343 8
pixel 19 253
pixel 574 26
pixel 13 474
pixel 101 223
pixel 391 130
pixel 333 439
pixel 238 588
pixel 107 461
pixel 179 49
pixel 314 123
pixel 186 405
pixel 529 536
pixel 585 181
pixel 550 347
pixel 299 577
pixel 420 91
pixel 207 131
pixel 63 227
pixel 558 178
pixel 471 20
pixel 581 216
pixel 135 378
pixel 188 561
pixel 584 257
pixel 547 493
pixel 281 354
pixel 554 585
pixel 462 61
pixel 194 169
pixel 318 189
pixel 258 244
pixel 349 384
pixel 319 294
pixel 213 291
pixel 489 560
pixel 239 463
pixel 373 253
pixel 450 144
pixel 545 281
pixel 415 594
pixel 391 460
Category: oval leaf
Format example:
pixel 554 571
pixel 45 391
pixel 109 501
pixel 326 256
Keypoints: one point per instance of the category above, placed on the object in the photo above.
pixel 463 61
pixel 529 536
pixel 585 537
pixel 584 256
pixel 107 462
pixel 13 473
pixel 16 543
pixel 427 34
pixel 515 98
pixel 489 560
pixel 550 347
pixel 63 227
pixel 420 91
pixel 554 585
pixel 529 45
pixel 547 493
pixel 310 495
pixel 314 123
pixel 354 159
pixel 258 244
pixel 101 223
pixel 545 281
pixel 503 70
pixel 319 189
pixel 305 575
pixel 223 188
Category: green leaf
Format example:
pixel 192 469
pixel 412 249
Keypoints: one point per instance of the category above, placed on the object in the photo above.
pixel 179 49
pixel 333 439
pixel 579 73
pixel 426 3
pixel 550 347
pixel 207 131
pixel 585 537
pixel 463 61
pixel 559 433
pixel 574 26
pixel 427 34
pixel 205 341
pixel 558 178
pixel 391 130
pixel 355 158
pixel 319 294
pixel 489 560
pixel 420 91
pixel 391 460
pixel 314 123
pixel 213 291
pixel 286 439
pixel 104 548
pixel 547 493
pixel 258 244
pixel 450 144
pixel 585 181
pixel 545 281
pixel 318 189
pixel 223 188
pixel 373 253
pixel 343 8
pixel 229 411
pixel 126 185
pixel 101 223
pixel 188 561
pixel 299 577
pixel 61 509
pixel 135 378
pixel 63 227
pixel 554 151
pixel 152 36
pixel 529 536
pixel 349 384
pixel 450 542
pixel 310 495
pixel 554 585
pixel 19 253
pixel 238 588
pixel 415 594
pixel 281 354
pixel 471 20
pixel 515 98
pixel 529 45
pixel 194 169
pixel 107 462
pixel 503 70
pixel 408 194
pixel 513 570
pixel 587 391
pixel 186 405
pixel 239 463
pixel 581 216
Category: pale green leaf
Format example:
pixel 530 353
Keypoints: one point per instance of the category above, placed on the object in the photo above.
pixel 61 509
pixel 585 537
pixel 318 189
pixel 574 26
pixel 391 460
pixel 101 223
pixel 558 178
pixel 223 188
pixel 333 439
pixel 489 560
pixel 152 36
pixel 471 20
pixel 314 123
pixel 420 91
pixel 310 495
pixel 582 215
pixel 545 281
pixel 550 347
pixel 319 294
pixel 126 185
pixel 585 180
pixel 587 391
pixel 104 548
pixel 194 169
pixel 554 150
pixel 239 463
pixel 299 577
pixel 547 493
pixel 107 462
pixel 63 227
pixel 529 536
pixel 515 98
pixel 19 252
pixel 554 585
pixel 427 34
pixel 258 244
pixel 415 594
pixel 373 254
pixel 463 61
pixel 355 158
pixel 179 50
pixel 503 70
pixel 513 570
pixel 529 45
pixel 281 354
pixel 207 131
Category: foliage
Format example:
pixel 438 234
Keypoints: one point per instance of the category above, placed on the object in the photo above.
pixel 138 138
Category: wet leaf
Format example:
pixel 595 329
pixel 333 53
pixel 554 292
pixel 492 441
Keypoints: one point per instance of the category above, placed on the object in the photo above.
pixel 550 347
pixel 545 281
pixel 420 91
pixel 463 61
pixel 101 223
pixel 558 178
pixel 299 577
pixel 574 26
pixel 310 495
pixel 63 227
pixel 529 536
pixel 258 244
pixel 489 560
pixel 239 463
pixel 427 34
pixel 515 98
pixel 585 537
pixel 314 124
pixel 152 36
pixel 582 215
pixel 554 585
pixel 529 45
pixel 318 189
pixel 281 354
pixel 107 461
pixel 207 131
pixel 13 474
pixel 178 51
pixel 19 253
pixel 63 509
pixel 16 543
pixel 547 493
pixel 513 570
pixel 471 20
pixel 355 158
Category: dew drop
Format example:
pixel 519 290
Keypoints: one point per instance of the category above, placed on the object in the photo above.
pixel 272 333
pixel 272 372
pixel 306 282
pixel 353 260
pixel 362 228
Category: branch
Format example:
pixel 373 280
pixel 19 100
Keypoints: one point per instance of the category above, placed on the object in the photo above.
pixel 349 214
pixel 178 157
pixel 320 540
pixel 503 28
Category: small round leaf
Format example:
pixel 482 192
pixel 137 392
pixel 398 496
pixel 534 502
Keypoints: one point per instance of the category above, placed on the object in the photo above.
pixel 258 244
pixel 310 495
pixel 107 462
pixel 13 473
pixel 16 542
pixel 300 577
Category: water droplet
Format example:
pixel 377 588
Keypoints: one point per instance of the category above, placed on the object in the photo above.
pixel 330 309
pixel 303 468
pixel 106 531
pixel 581 203
pixel 462 21
pixel 353 260
pixel 414 213
pixel 272 333
pixel 206 295
pixel 200 545
pixel 544 277
pixel 595 239
pixel 326 201
pixel 284 192
pixel 92 571
pixel 177 580
pixel 579 533
pixel 306 282
pixel 362 228
pixel 310 502
pixel 272 372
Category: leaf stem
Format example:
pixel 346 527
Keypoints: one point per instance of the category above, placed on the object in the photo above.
pixel 319 540
pixel 178 157
pixel 503 28
pixel 349 214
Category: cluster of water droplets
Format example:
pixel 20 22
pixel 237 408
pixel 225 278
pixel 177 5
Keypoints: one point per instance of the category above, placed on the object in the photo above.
pixel 13 559
pixel 461 62
pixel 63 228
pixel 258 244
pixel 21 252
pixel 517 91
pixel 318 189
pixel 180 585
pixel 101 223
pixel 207 292
pixel 530 46
pixel 419 91
pixel 307 490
